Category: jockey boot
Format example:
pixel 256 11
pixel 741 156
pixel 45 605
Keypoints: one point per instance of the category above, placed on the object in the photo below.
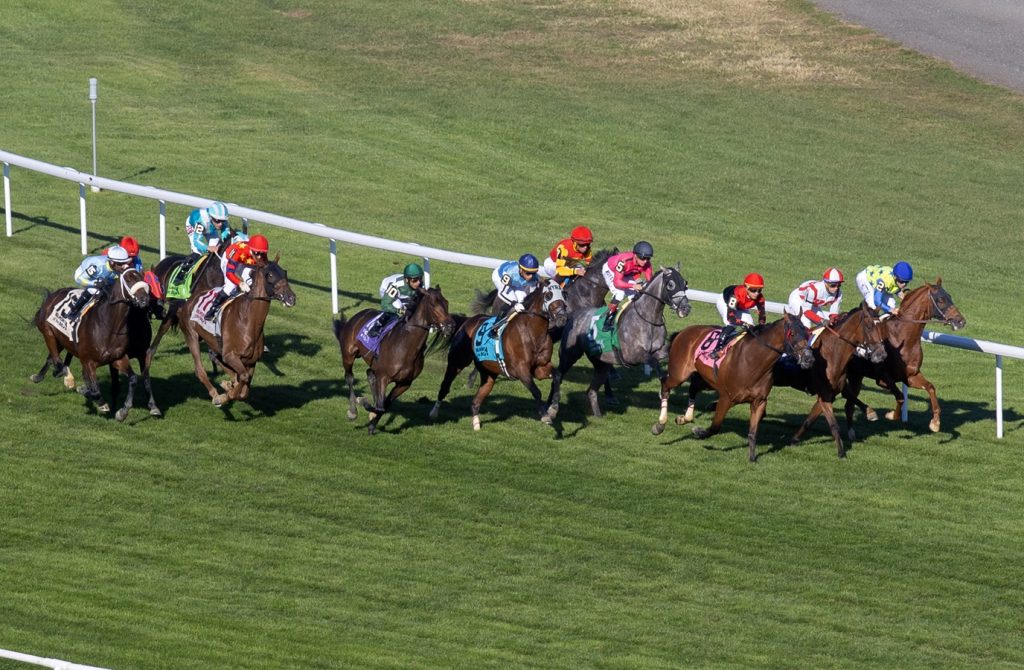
pixel 187 265
pixel 378 325
pixel 609 319
pixel 76 307
pixel 212 311
pixel 723 339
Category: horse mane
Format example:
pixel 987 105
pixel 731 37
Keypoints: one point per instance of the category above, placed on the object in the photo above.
pixel 481 303
pixel 601 257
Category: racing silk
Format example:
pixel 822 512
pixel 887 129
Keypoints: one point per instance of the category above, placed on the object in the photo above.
pixel 512 288
pixel 567 258
pixel 201 232
pixel 882 282
pixel 739 302
pixel 236 257
pixel 396 296
pixel 813 303
pixel 626 272
pixel 95 272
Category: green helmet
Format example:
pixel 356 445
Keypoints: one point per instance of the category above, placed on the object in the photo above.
pixel 413 271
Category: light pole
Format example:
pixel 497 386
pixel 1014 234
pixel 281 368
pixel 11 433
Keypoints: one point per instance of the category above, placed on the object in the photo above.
pixel 92 99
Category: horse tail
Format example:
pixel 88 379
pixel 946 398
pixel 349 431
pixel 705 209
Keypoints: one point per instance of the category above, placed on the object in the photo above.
pixel 339 323
pixel 481 304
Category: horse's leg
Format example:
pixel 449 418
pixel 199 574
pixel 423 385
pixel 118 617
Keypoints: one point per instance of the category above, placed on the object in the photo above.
pixel 918 381
pixel 668 382
pixel 232 362
pixel 697 384
pixel 192 340
pixel 124 365
pixel 91 388
pixel 812 416
pixel 567 357
pixel 851 389
pixel 601 370
pixel 165 325
pixel 757 409
pixel 450 373
pixel 833 425
pixel 486 384
pixel 721 409
pixel 143 360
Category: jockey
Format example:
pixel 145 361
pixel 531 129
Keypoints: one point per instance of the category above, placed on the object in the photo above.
pixel 882 286
pixel 236 257
pixel 207 231
pixel 817 302
pixel 736 305
pixel 96 273
pixel 625 274
pixel 516 280
pixel 131 245
pixel 570 257
pixel 398 292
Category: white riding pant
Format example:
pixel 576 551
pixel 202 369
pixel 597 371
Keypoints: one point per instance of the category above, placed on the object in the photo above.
pixel 746 316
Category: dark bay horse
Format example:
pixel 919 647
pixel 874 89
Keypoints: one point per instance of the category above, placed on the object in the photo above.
pixel 402 349
pixel 926 303
pixel 112 332
pixel 857 333
pixel 208 276
pixel 240 344
pixel 641 330
pixel 526 343
pixel 744 375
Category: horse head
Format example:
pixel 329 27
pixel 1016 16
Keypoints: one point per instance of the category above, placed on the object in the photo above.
pixel 276 283
pixel 132 288
pixel 554 303
pixel 673 291
pixel 432 311
pixel 796 342
pixel 872 331
pixel 943 308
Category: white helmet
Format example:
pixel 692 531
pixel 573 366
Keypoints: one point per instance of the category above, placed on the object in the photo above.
pixel 117 254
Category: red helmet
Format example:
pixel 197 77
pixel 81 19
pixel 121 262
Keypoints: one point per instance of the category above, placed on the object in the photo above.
pixel 753 280
pixel 833 276
pixel 259 243
pixel 582 235
pixel 130 244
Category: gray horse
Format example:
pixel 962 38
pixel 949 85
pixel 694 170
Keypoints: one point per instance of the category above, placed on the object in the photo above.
pixel 642 334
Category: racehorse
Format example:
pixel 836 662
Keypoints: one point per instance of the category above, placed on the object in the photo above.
pixel 110 333
pixel 526 345
pixel 400 356
pixel 743 376
pixel 926 303
pixel 240 344
pixel 641 332
pixel 856 333
pixel 208 276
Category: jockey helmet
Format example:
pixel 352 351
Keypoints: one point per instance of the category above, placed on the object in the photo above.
pixel 833 276
pixel 528 263
pixel 259 243
pixel 117 255
pixel 413 271
pixel 643 250
pixel 753 280
pixel 582 235
pixel 218 211
pixel 130 244
pixel 902 271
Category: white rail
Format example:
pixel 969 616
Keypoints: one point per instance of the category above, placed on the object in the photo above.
pixel 54 663
pixel 335 235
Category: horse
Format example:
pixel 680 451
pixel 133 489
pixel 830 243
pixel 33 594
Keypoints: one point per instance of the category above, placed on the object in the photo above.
pixel 744 375
pixel 525 341
pixel 641 328
pixel 208 276
pixel 926 303
pixel 110 333
pixel 240 345
pixel 400 357
pixel 856 333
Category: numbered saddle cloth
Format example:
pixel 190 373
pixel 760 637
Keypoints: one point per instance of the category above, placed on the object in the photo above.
pixel 708 345
pixel 370 341
pixel 487 341
pixel 68 326
pixel 598 340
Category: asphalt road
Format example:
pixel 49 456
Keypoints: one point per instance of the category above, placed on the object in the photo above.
pixel 984 38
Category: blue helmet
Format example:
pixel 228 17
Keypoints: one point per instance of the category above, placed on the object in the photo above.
pixel 528 263
pixel 902 271
pixel 218 211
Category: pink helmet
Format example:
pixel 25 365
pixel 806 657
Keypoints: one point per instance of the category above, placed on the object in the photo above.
pixel 833 276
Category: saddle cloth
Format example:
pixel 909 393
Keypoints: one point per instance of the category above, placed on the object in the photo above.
pixel 708 344
pixel 202 306
pixel 68 326
pixel 373 342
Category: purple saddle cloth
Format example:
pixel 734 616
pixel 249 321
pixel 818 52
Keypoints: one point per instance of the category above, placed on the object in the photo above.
pixel 373 342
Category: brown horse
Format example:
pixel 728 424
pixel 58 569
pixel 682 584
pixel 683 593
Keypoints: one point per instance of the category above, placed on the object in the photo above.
pixel 744 375
pixel 207 276
pixel 857 333
pixel 112 332
pixel 402 349
pixel 240 344
pixel 526 343
pixel 926 303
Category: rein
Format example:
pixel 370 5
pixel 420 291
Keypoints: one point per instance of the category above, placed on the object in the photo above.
pixel 941 318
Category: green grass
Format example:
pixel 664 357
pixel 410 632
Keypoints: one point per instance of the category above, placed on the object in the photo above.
pixel 277 534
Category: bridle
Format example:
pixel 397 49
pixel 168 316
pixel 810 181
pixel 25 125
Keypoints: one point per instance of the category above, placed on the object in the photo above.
pixel 128 291
pixel 671 302
pixel 937 313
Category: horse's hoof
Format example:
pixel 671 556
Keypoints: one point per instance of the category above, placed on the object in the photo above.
pixel 433 411
pixel 933 425
pixel 700 433
pixel 657 429
pixel 36 378
pixel 545 419
pixel 794 440
pixel 121 415
pixel 611 400
pixel 850 435
pixel 870 414
pixel 103 409
pixel 219 399
pixel 155 411
pixel 681 420
pixel 891 415
pixel 351 414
